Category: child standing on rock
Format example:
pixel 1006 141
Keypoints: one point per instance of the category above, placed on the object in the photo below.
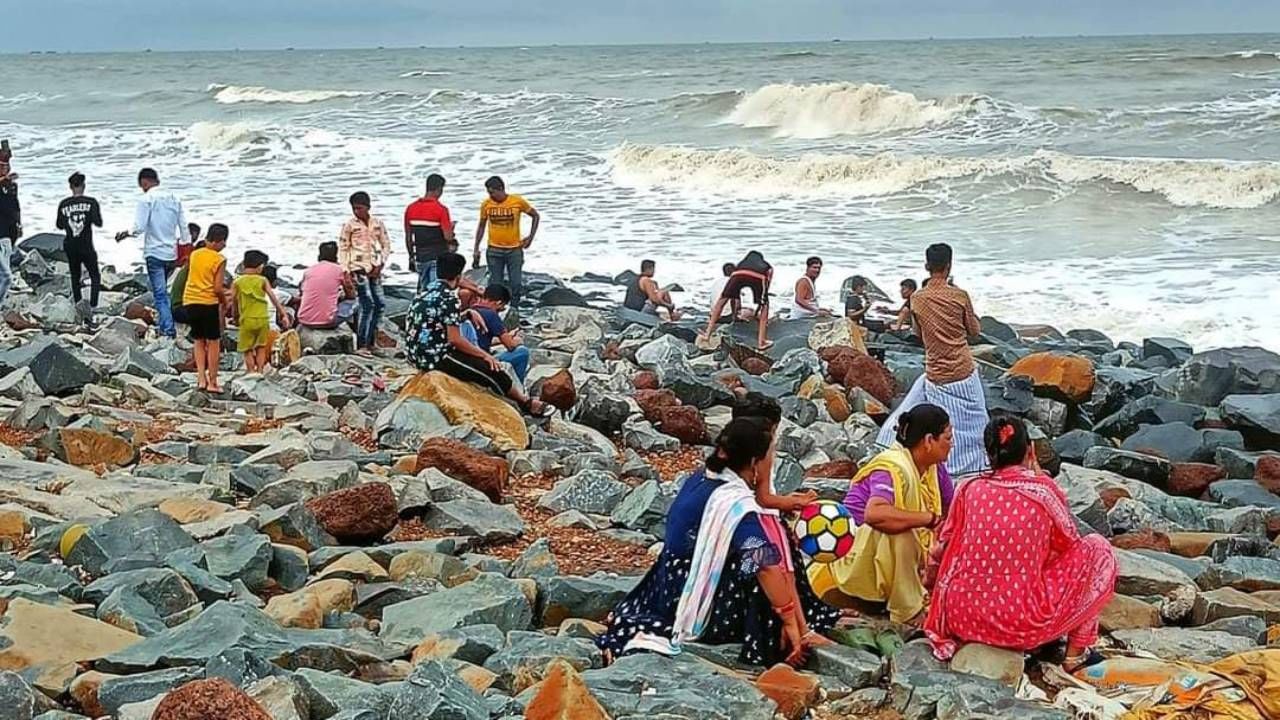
pixel 251 293
pixel 205 299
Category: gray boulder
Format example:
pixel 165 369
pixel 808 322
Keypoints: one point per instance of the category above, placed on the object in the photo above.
pixel 1148 410
pixel 481 519
pixel 1180 644
pixel 433 692
pixel 1138 466
pixel 488 600
pixel 528 653
pixel 115 692
pixel 1072 446
pixel 1209 377
pixel 1253 412
pixel 590 491
pixel 587 598
pixel 331 696
pixel 655 686
pixel 148 535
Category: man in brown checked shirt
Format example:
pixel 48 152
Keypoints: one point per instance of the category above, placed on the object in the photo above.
pixel 945 319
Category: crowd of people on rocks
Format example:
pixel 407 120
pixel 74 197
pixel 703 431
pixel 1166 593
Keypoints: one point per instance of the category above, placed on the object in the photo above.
pixel 958 534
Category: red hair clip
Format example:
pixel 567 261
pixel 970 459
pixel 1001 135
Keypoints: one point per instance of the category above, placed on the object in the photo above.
pixel 1006 433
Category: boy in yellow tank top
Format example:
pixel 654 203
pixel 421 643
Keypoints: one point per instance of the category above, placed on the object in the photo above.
pixel 251 301
pixel 206 300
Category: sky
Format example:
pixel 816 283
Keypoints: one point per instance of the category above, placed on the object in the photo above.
pixel 96 25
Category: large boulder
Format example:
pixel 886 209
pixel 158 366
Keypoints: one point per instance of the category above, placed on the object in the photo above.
pixel 1061 376
pixel 651 685
pixel 684 423
pixel 600 408
pixel 1138 466
pixel 559 390
pixel 1148 410
pixel 142 534
pixel 464 403
pixel 562 695
pixel 46 644
pixel 1209 377
pixel 488 600
pixel 1253 412
pixel 455 459
pixel 58 372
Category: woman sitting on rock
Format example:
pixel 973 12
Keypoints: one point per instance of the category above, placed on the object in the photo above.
pixel 721 577
pixel 897 500
pixel 1014 571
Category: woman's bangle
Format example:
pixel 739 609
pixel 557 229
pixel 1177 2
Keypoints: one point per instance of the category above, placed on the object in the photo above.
pixel 785 610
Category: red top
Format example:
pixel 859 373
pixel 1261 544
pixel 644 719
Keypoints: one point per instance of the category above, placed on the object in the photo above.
pixel 428 222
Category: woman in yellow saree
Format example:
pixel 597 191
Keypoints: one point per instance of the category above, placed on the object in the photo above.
pixel 897 500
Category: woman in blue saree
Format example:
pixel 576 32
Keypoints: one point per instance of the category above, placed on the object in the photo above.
pixel 721 577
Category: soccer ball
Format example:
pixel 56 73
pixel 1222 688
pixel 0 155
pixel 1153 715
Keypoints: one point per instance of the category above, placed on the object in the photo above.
pixel 824 531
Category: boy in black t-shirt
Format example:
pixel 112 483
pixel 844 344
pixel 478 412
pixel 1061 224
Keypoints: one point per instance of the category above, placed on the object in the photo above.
pixel 77 216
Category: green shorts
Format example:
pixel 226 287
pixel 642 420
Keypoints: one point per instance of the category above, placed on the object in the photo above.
pixel 254 333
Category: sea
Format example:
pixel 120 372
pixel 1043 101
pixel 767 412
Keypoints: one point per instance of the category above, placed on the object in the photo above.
pixel 1124 184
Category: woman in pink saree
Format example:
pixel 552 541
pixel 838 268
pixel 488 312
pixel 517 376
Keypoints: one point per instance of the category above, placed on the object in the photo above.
pixel 1014 571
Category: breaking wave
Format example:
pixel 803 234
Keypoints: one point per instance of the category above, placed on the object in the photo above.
pixel 1183 183
pixel 228 136
pixel 831 109
pixel 235 94
pixel 425 73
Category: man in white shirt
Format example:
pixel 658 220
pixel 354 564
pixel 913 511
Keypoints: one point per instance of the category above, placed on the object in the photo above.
pixel 162 223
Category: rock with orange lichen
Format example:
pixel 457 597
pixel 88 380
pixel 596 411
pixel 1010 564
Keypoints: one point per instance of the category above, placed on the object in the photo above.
pixel 1062 376
pixel 793 691
pixel 563 696
pixel 559 391
pixel 466 404
pixel 459 461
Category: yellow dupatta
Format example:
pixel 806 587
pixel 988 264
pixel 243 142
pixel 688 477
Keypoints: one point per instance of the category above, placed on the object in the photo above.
pixel 880 567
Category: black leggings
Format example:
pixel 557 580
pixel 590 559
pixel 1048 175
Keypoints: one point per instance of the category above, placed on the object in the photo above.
pixel 474 370
pixel 87 257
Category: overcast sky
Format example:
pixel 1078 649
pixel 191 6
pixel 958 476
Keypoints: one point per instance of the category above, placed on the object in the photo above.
pixel 87 25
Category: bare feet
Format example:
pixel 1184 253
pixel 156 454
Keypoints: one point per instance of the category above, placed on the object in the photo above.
pixel 764 345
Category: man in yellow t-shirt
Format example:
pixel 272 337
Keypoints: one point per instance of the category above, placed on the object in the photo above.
pixel 500 212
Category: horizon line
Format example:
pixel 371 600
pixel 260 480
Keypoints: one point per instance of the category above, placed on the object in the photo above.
pixel 543 46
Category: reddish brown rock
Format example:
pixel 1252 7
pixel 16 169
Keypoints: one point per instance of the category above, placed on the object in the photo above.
pixel 139 311
pixel 837 469
pixel 209 700
pixel 1192 479
pixel 793 691
pixel 684 423
pixel 646 380
pixel 459 461
pixel 86 447
pixel 1143 540
pixel 364 513
pixel 1062 376
pixel 755 366
pixel 839 360
pixel 1111 495
pixel 19 322
pixel 611 351
pixel 652 401
pixel 871 375
pixel 559 391
pixel 1267 473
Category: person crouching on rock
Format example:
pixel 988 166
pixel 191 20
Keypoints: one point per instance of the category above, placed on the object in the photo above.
pixel 206 300
pixel 436 342
pixel 1014 571
pixel 897 500
pixel 753 273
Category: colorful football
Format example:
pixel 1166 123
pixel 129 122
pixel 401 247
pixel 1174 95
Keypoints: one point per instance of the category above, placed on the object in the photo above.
pixel 824 531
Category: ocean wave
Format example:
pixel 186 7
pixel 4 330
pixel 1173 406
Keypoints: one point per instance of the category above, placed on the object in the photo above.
pixel 1183 183
pixel 739 170
pixel 235 94
pixel 26 98
pixel 831 109
pixel 425 73
pixel 218 136
pixel 796 55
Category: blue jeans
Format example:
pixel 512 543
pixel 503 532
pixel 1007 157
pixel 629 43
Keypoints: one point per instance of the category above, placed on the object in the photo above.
pixel 158 278
pixel 518 359
pixel 369 293
pixel 506 267
pixel 426 273
pixel 6 272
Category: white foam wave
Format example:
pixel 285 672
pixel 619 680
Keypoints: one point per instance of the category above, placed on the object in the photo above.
pixel 234 94
pixel 425 73
pixel 849 175
pixel 217 136
pixel 1183 183
pixel 831 109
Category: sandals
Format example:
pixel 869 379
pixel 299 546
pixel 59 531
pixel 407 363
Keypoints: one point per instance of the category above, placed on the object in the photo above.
pixel 545 410
pixel 1089 658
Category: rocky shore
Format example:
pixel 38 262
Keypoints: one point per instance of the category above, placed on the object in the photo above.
pixel 345 539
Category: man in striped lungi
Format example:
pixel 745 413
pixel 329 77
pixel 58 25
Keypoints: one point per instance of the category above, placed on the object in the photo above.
pixel 945 319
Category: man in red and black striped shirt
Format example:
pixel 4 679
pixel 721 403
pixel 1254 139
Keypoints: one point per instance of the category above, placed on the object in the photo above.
pixel 428 231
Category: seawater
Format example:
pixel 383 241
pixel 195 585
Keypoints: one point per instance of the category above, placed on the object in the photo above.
pixel 1123 184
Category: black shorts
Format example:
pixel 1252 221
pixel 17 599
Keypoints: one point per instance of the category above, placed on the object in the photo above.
pixel 205 321
pixel 746 281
